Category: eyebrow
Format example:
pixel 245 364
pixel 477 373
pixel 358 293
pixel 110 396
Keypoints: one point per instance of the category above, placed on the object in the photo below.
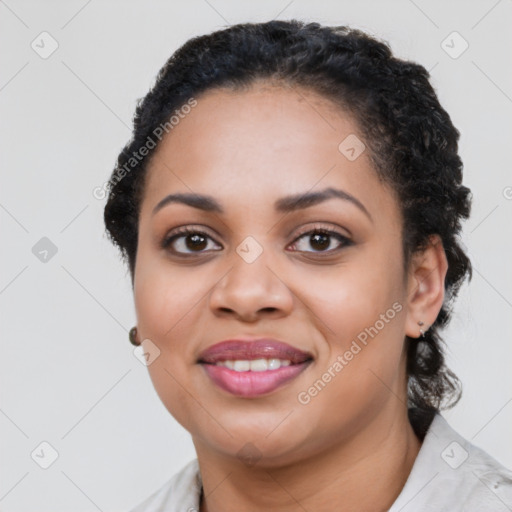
pixel 284 205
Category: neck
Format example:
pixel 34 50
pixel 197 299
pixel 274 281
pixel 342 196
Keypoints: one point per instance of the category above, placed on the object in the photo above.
pixel 366 473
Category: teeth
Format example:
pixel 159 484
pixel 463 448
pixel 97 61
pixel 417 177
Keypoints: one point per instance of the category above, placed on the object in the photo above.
pixel 241 366
pixel 256 365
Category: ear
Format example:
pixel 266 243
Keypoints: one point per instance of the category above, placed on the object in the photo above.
pixel 425 297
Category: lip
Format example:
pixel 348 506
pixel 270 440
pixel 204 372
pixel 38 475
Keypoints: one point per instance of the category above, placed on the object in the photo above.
pixel 253 383
pixel 266 348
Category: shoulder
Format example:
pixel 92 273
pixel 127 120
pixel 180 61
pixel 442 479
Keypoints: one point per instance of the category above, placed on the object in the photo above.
pixel 452 474
pixel 179 494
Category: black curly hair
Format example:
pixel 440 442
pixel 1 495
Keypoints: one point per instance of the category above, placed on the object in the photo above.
pixel 412 143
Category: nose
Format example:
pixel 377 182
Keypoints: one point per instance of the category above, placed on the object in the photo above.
pixel 250 291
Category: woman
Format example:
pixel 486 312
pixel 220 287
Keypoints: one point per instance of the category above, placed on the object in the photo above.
pixel 289 207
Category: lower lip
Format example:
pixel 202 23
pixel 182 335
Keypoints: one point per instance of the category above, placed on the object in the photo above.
pixel 251 383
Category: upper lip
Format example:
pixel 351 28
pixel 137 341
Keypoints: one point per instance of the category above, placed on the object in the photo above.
pixel 261 348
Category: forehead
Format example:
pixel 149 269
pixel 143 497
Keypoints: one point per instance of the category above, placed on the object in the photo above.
pixel 260 144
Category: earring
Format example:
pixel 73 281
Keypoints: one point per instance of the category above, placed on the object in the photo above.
pixel 133 336
pixel 422 332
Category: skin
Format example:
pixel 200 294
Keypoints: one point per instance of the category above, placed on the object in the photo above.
pixel 351 447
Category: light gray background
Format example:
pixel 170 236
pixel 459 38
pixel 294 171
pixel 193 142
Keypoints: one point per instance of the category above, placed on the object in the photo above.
pixel 68 374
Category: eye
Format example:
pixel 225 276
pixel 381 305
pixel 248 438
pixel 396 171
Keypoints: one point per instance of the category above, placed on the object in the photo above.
pixel 186 241
pixel 320 239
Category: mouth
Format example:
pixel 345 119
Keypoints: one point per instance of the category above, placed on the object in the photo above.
pixel 253 368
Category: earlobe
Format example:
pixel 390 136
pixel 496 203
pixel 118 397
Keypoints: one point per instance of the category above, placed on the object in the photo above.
pixel 426 287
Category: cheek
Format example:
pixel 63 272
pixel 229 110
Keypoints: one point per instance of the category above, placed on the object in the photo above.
pixel 359 368
pixel 165 297
pixel 168 303
pixel 165 308
pixel 364 333
pixel 361 294
pixel 360 311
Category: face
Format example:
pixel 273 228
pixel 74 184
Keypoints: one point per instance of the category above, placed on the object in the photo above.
pixel 325 277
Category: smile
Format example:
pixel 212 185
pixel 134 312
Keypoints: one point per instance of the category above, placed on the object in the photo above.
pixel 253 367
pixel 242 380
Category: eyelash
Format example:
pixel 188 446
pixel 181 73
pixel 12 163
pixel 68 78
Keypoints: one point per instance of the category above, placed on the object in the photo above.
pixel 184 231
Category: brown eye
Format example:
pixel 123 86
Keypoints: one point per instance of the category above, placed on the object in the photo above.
pixel 187 241
pixel 320 240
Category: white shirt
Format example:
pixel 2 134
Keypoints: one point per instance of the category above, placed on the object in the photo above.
pixel 449 474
